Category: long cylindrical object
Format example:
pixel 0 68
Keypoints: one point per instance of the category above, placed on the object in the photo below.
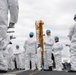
pixel 39 37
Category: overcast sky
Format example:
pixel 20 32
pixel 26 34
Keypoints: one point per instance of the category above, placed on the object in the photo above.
pixel 56 14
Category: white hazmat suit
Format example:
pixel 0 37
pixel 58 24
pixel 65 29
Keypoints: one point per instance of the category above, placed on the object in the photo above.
pixel 48 43
pixel 10 57
pixel 12 6
pixel 22 59
pixel 18 57
pixel 38 58
pixel 30 52
pixel 72 37
pixel 4 53
pixel 57 47
pixel 5 5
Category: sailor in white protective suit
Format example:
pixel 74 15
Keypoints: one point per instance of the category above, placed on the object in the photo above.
pixel 30 52
pixel 4 55
pixel 22 59
pixel 38 57
pixel 10 56
pixel 12 6
pixel 18 57
pixel 57 48
pixel 48 43
pixel 72 37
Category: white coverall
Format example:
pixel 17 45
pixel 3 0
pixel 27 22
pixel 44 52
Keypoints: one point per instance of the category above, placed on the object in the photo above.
pixel 18 57
pixel 12 6
pixel 48 43
pixel 38 58
pixel 10 57
pixel 22 59
pixel 72 37
pixel 4 54
pixel 30 53
pixel 57 47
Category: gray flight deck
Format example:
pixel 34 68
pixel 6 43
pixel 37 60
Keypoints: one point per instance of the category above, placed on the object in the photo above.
pixel 23 72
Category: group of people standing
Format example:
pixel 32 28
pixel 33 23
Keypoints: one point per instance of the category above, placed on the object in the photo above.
pixel 20 60
pixel 51 45
pixel 32 52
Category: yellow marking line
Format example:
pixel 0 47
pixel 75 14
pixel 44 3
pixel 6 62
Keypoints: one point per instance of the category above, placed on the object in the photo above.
pixel 33 72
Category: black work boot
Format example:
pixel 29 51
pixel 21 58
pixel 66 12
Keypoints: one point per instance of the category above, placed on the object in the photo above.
pixel 71 71
pixel 3 71
pixel 50 68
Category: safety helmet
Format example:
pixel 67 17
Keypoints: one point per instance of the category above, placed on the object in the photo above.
pixel 75 16
pixel 17 46
pixel 31 33
pixel 48 31
pixel 56 37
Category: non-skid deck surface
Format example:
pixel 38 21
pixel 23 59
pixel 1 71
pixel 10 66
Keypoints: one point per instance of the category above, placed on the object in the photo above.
pixel 23 72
